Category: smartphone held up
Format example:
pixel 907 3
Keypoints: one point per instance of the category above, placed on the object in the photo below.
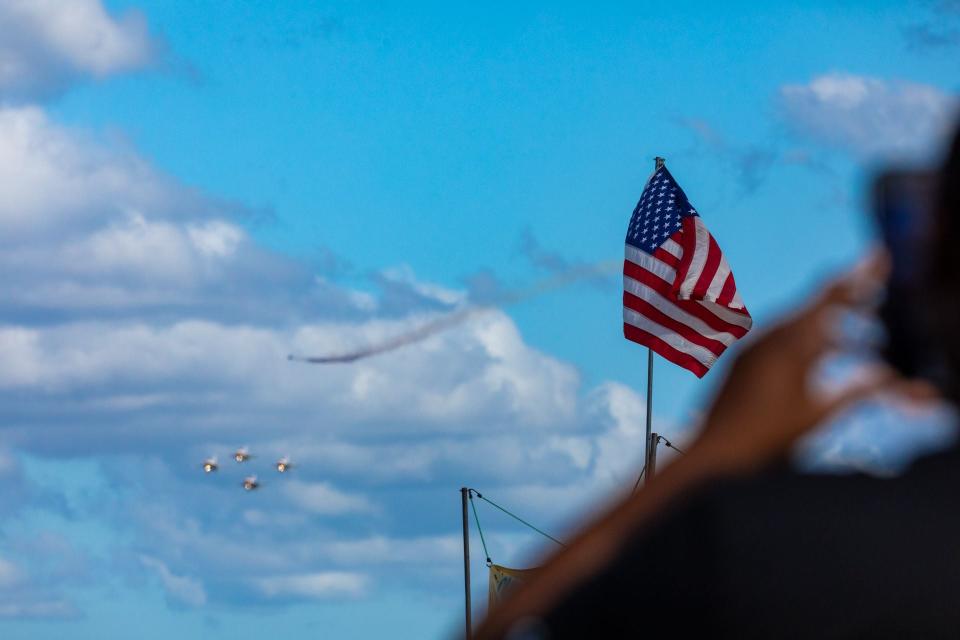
pixel 904 204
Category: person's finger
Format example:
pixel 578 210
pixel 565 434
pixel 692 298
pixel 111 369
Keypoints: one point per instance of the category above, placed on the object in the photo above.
pixel 914 394
pixel 815 328
pixel 873 270
pixel 844 333
pixel 813 336
pixel 859 286
pixel 878 379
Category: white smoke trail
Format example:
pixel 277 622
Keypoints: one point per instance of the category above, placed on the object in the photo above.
pixel 460 316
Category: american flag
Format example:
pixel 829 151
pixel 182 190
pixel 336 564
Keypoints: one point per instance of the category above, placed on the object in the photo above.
pixel 679 297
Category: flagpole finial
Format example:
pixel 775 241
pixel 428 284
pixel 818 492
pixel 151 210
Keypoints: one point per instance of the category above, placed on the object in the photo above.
pixel 660 162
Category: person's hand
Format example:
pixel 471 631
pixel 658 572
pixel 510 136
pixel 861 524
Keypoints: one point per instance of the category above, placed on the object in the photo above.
pixel 767 402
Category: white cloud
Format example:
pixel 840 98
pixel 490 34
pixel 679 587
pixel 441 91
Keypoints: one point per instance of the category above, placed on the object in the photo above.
pixel 46 44
pixel 180 589
pixel 322 498
pixel 57 183
pixel 53 180
pixel 215 238
pixel 870 116
pixel 90 226
pixel 8 463
pixel 384 550
pixel 404 274
pixel 480 372
pixel 45 564
pixel 9 574
pixel 313 586
pixel 157 251
pixel 57 609
pixel 620 447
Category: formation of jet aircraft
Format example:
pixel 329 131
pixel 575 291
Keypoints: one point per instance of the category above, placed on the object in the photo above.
pixel 243 456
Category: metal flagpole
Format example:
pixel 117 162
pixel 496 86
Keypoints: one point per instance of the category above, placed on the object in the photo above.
pixel 464 494
pixel 651 445
pixel 652 458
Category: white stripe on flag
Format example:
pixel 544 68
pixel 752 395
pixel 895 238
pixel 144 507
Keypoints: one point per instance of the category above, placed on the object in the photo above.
pixel 672 247
pixel 672 338
pixel 719 279
pixel 643 259
pixel 700 252
pixel 668 308
pixel 727 315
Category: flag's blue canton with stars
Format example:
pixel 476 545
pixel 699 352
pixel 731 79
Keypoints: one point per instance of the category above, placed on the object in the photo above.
pixel 660 212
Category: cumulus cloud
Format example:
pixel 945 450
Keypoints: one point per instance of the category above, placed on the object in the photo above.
pixel 322 498
pixel 46 609
pixel 180 589
pixel 618 445
pixel 91 228
pixel 35 573
pixel 482 372
pixel 870 117
pixel 313 586
pixel 9 574
pixel 93 179
pixel 45 45
pixel 380 549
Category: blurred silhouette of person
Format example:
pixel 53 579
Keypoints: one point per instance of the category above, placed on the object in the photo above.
pixel 730 542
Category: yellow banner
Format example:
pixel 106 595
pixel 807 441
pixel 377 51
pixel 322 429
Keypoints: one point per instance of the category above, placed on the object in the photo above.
pixel 503 580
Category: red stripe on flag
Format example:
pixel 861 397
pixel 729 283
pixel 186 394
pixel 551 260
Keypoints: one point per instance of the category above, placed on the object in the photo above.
pixel 728 291
pixel 666 257
pixel 678 358
pixel 709 270
pixel 687 237
pixel 647 310
pixel 692 307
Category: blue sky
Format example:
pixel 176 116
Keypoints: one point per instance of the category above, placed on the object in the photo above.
pixel 191 190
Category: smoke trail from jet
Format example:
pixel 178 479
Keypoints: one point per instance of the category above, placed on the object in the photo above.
pixel 459 316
